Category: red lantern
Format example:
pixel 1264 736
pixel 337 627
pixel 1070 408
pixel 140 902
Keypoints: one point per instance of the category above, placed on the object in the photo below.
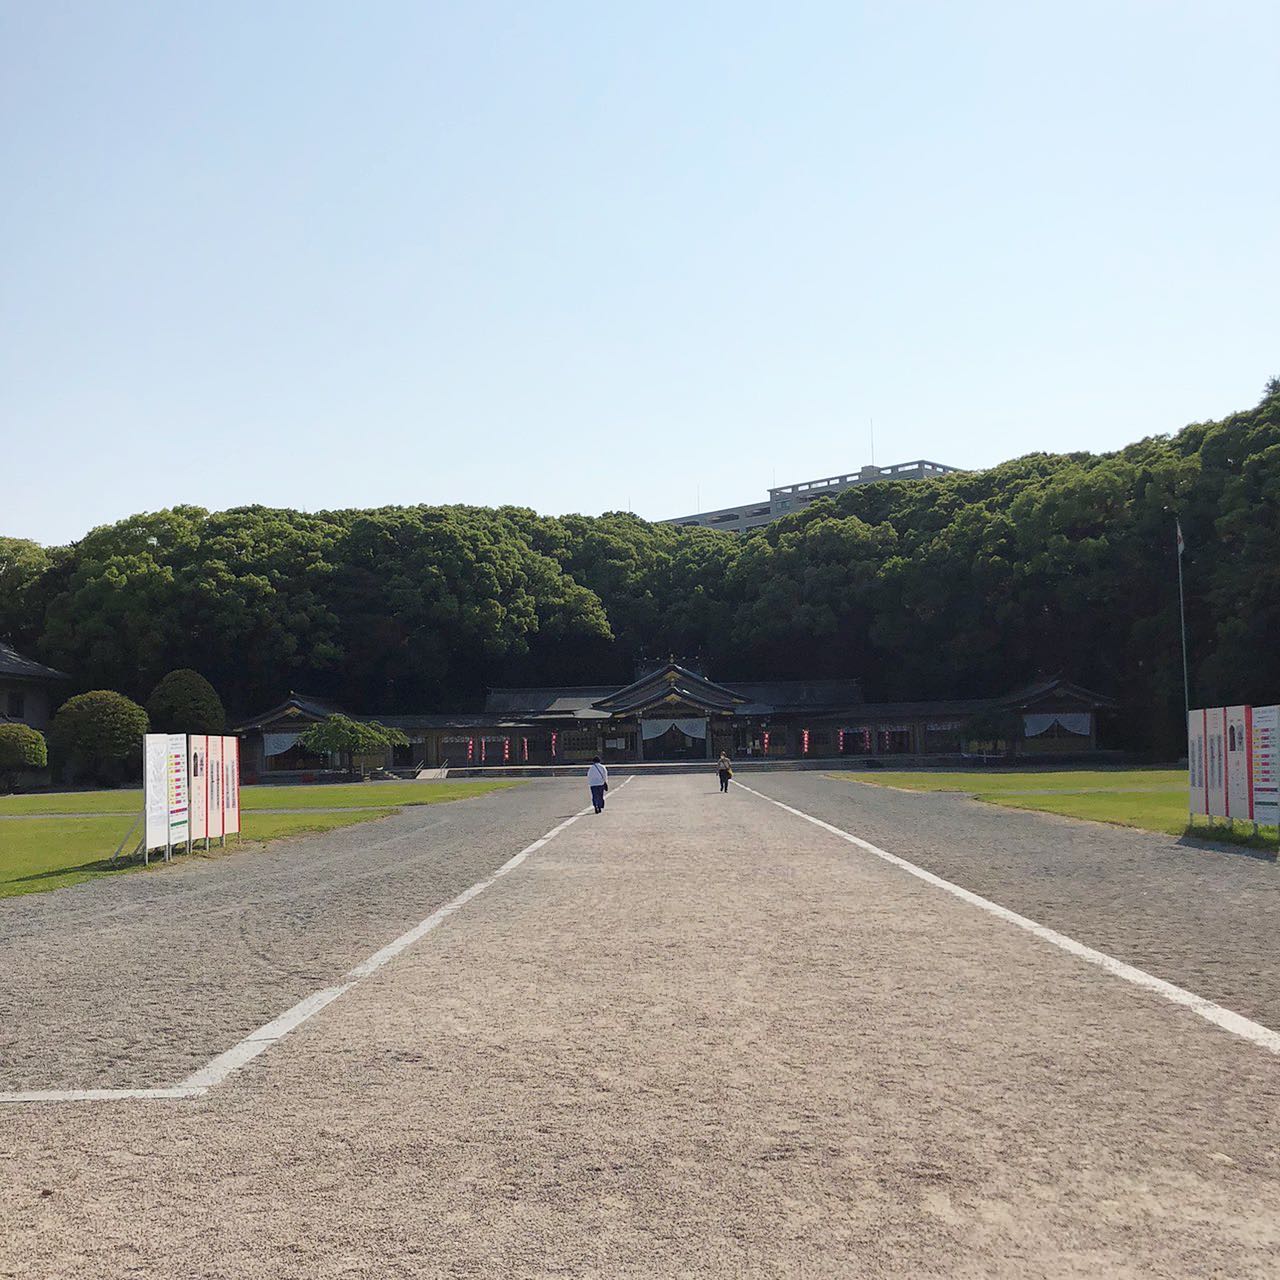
pixel 804 741
pixel 766 742
pixel 506 750
pixel 526 748
pixel 471 750
pixel 555 737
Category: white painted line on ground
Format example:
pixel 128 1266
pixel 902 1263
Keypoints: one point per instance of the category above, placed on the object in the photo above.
pixel 97 1095
pixel 1235 1023
pixel 218 1069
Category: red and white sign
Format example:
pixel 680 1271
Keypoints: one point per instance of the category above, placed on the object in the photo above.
pixel 230 786
pixel 1266 765
pixel 1233 763
pixel 198 755
pixel 1238 732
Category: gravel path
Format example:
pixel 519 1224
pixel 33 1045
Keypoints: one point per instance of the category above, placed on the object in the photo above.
pixel 692 1037
pixel 137 980
pixel 1204 917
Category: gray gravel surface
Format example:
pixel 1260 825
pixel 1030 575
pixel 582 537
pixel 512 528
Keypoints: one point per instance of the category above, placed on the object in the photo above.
pixel 1204 917
pixel 137 980
pixel 695 1036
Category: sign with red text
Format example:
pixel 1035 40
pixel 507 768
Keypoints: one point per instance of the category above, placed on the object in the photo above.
pixel 230 786
pixel 1266 765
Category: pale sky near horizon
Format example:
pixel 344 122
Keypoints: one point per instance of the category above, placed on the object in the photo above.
pixel 583 257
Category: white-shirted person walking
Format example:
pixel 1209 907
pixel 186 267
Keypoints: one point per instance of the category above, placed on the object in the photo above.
pixel 598 781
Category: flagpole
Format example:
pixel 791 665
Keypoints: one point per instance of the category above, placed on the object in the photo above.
pixel 1182 617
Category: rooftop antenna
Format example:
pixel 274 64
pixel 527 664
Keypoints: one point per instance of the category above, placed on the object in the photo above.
pixel 873 440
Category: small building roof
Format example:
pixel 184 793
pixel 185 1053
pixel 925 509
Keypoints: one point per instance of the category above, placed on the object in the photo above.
pixel 297 706
pixel 665 684
pixel 1056 689
pixel 14 666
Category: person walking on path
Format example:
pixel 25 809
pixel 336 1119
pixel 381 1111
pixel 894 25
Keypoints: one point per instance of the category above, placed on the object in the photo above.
pixel 725 770
pixel 598 781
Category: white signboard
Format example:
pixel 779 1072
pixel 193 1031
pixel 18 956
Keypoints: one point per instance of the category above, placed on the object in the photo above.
pixel 1215 733
pixel 165 793
pixel 198 754
pixel 1266 765
pixel 215 828
pixel 1197 750
pixel 230 786
pixel 1239 762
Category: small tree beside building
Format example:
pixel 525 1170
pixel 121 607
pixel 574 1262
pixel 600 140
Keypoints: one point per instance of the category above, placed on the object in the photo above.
pixel 185 702
pixel 99 733
pixel 352 741
pixel 22 750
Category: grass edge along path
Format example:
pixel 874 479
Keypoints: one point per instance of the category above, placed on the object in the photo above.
pixel 1148 799
pixel 40 851
pixel 327 795
pixel 38 854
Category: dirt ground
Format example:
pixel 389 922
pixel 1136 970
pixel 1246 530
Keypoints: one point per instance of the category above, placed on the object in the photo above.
pixel 694 1036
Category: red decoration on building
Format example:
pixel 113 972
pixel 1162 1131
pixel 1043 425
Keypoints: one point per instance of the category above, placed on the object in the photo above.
pixel 506 750
pixel 526 748
pixel 471 750
pixel 555 737
pixel 842 742
pixel 766 742
pixel 804 741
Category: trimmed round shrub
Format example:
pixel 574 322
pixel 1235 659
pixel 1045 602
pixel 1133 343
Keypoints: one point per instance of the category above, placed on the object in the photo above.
pixel 22 748
pixel 185 702
pixel 100 731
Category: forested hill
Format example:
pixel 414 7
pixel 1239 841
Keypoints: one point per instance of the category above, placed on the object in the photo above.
pixel 964 585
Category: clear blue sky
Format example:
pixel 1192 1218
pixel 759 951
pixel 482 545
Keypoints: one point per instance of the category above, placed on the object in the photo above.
pixel 590 256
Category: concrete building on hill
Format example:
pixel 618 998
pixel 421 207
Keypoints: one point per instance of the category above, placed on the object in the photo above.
pixel 675 713
pixel 788 498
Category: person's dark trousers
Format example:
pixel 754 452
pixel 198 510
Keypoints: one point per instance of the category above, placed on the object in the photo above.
pixel 724 781
pixel 597 798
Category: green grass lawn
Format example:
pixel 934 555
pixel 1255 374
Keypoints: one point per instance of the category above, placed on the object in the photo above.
pixel 48 853
pixel 1153 799
pixel 338 795
pixel 41 851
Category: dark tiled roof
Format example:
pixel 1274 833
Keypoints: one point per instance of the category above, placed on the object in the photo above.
pixel 798 695
pixel 533 701
pixel 1058 689
pixel 665 681
pixel 305 705
pixel 13 664
pixel 447 720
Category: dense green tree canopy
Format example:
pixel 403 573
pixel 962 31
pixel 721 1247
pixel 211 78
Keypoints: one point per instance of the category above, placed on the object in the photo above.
pixel 99 732
pixel 350 739
pixel 185 702
pixel 22 749
pixel 964 585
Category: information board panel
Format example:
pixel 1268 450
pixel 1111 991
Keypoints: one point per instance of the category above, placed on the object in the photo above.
pixel 1239 762
pixel 165 790
pixel 198 755
pixel 1197 782
pixel 1215 734
pixel 230 785
pixel 1266 765
pixel 215 789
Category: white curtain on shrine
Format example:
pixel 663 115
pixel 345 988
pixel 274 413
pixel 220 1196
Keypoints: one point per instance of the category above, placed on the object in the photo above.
pixel 276 744
pixel 1077 722
pixel 656 728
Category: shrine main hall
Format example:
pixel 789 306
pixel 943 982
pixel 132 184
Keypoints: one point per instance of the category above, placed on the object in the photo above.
pixel 676 713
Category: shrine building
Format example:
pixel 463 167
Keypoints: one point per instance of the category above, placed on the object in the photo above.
pixel 674 713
